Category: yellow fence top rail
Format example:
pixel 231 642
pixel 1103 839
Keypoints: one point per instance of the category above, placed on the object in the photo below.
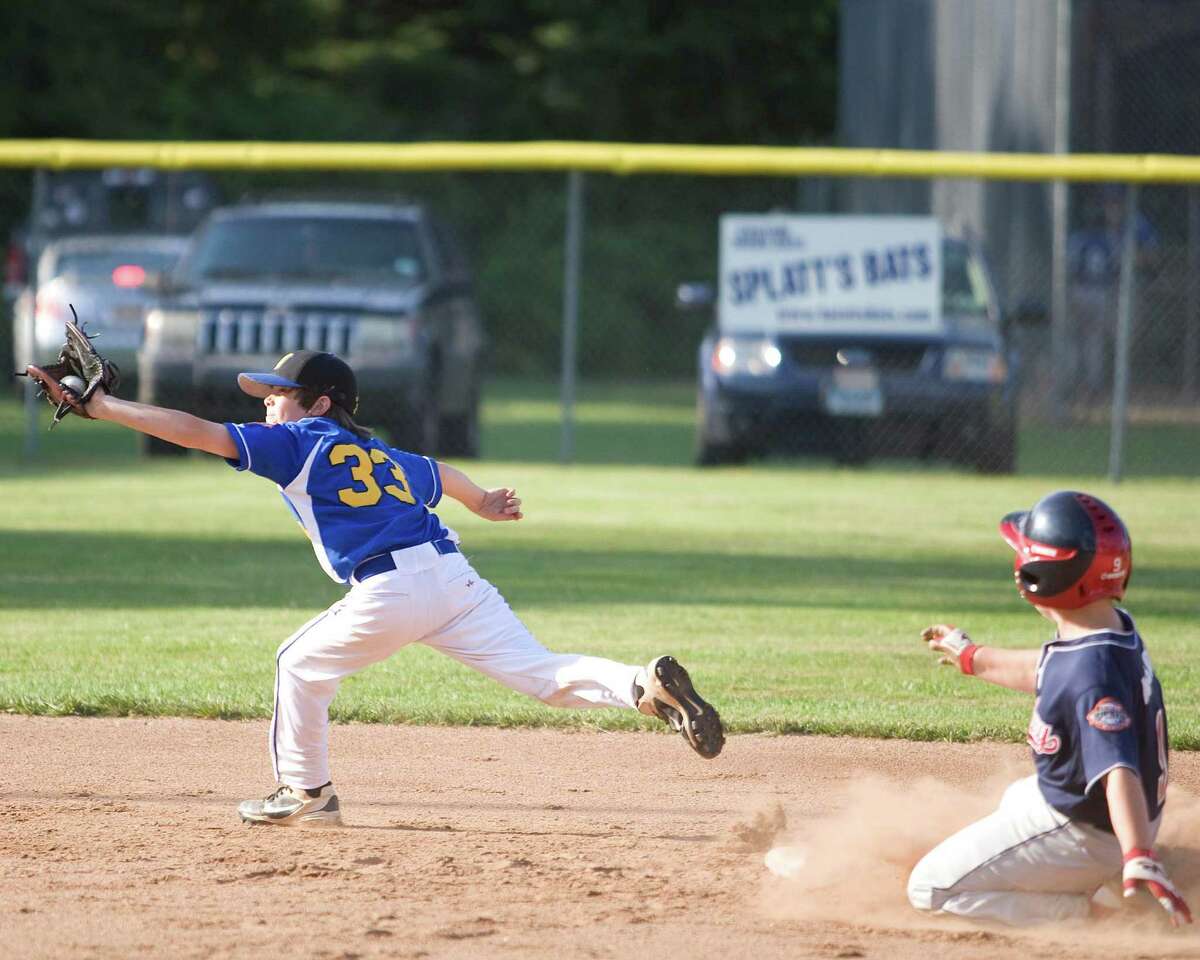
pixel 616 158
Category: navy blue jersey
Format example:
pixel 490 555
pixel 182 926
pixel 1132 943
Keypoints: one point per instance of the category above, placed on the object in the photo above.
pixel 1099 706
pixel 355 498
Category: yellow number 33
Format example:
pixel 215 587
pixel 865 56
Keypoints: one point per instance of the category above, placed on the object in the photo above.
pixel 362 470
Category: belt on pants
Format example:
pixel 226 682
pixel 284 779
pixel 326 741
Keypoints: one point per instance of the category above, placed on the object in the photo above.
pixel 384 562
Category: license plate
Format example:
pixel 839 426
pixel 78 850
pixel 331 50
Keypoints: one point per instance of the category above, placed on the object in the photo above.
pixel 853 392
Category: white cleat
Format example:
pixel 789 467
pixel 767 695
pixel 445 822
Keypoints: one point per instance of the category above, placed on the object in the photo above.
pixel 294 807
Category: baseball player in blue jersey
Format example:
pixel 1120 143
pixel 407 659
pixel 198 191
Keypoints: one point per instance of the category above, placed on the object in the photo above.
pixel 1098 736
pixel 368 510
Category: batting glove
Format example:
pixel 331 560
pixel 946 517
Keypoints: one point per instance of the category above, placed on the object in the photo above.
pixel 1144 869
pixel 954 645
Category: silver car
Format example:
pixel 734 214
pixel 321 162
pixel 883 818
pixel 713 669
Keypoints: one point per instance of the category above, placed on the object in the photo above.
pixel 110 280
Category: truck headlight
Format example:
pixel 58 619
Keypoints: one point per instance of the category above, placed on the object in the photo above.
pixel 393 336
pixel 48 323
pixel 756 356
pixel 974 365
pixel 171 330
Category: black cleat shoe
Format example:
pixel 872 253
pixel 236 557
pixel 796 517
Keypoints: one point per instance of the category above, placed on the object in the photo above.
pixel 669 695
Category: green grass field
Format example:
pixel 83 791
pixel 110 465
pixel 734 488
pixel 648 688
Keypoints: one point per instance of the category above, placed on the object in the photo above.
pixel 794 591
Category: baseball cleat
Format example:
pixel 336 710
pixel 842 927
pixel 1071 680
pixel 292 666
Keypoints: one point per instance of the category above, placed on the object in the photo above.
pixel 294 807
pixel 669 695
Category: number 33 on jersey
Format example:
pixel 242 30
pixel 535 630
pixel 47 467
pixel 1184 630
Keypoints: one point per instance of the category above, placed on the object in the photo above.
pixel 355 497
pixel 363 471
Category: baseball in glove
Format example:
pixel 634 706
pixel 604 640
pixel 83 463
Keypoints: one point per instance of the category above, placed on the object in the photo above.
pixel 69 383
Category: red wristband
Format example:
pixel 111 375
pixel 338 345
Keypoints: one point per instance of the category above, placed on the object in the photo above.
pixel 966 661
pixel 1136 852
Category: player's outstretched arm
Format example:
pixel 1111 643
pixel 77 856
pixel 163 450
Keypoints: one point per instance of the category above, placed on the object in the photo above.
pixel 502 503
pixel 174 426
pixel 1131 824
pixel 1015 669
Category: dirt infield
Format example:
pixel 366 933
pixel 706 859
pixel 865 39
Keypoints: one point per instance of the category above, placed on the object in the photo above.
pixel 119 838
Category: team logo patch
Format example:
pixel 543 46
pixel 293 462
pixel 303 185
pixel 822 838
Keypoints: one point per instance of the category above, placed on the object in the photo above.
pixel 1041 736
pixel 1110 716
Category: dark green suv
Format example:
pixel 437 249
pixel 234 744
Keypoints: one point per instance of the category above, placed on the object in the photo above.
pixel 384 286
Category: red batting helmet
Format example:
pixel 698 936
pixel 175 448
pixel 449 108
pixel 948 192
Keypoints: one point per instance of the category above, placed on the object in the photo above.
pixel 1071 549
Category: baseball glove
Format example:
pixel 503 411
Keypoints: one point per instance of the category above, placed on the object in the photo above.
pixel 69 383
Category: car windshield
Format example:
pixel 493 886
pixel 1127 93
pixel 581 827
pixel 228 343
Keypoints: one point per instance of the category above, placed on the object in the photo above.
pixel 964 288
pixel 313 248
pixel 100 264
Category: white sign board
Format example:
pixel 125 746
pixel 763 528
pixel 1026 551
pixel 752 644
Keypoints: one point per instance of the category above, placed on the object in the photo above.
pixel 789 273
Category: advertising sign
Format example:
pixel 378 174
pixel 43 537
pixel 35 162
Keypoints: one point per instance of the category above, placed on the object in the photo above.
pixel 789 273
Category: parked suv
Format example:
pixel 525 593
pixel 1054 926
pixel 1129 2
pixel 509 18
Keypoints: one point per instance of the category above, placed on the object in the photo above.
pixel 382 285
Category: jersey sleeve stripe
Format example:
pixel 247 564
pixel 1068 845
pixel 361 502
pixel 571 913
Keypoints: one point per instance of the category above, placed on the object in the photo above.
pixel 1104 773
pixel 243 461
pixel 437 484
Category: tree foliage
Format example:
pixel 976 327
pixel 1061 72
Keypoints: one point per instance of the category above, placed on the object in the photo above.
pixel 647 71
pixel 751 72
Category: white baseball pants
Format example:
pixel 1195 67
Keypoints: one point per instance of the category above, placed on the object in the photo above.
pixel 432 599
pixel 1023 864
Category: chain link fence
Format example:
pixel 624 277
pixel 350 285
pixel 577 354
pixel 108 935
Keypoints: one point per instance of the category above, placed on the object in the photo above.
pixel 1024 391
pixel 1135 76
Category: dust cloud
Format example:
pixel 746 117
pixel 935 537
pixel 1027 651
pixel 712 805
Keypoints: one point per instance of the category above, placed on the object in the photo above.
pixel 852 865
pixel 857 860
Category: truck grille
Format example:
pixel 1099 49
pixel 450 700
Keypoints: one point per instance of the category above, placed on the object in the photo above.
pixel 255 330
pixel 892 358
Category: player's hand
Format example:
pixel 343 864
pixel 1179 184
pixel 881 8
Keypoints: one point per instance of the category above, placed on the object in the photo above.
pixel 1144 869
pixel 96 403
pixel 500 504
pixel 949 641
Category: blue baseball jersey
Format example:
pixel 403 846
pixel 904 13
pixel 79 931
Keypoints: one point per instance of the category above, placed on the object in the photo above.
pixel 1099 706
pixel 355 498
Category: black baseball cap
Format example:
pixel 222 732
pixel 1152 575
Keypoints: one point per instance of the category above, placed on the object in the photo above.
pixel 308 370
